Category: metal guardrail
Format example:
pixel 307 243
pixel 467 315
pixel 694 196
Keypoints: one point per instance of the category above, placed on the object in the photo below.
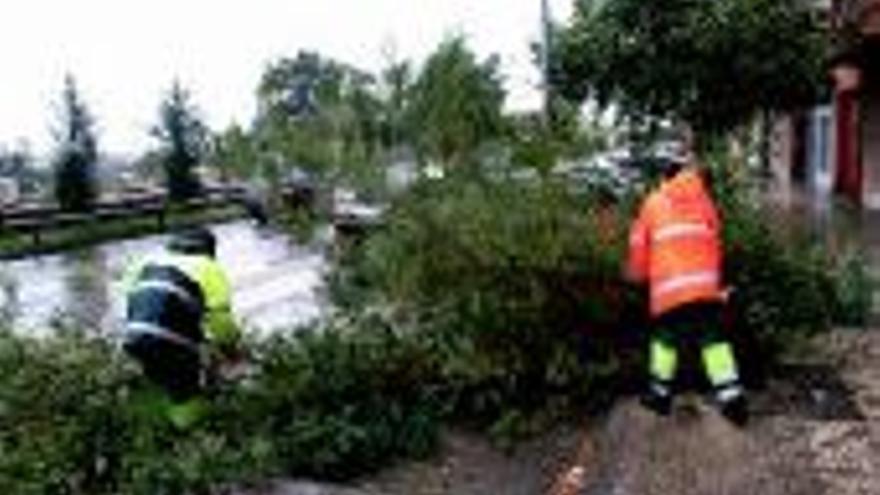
pixel 36 218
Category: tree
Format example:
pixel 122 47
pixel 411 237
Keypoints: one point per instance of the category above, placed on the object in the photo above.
pixel 148 167
pixel 76 153
pixel 234 153
pixel 15 161
pixel 18 162
pixel 184 139
pixel 310 87
pixel 318 113
pixel 539 143
pixel 711 64
pixel 292 87
pixel 397 81
pixel 455 104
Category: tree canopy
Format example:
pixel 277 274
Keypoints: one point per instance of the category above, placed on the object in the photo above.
pixel 712 64
pixel 337 120
pixel 456 103
pixel 234 153
pixel 317 113
pixel 76 153
pixel 397 80
pixel 184 139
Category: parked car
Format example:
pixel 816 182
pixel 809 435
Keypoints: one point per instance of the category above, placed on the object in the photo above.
pixel 604 172
pixel 347 205
pixel 618 172
pixel 299 188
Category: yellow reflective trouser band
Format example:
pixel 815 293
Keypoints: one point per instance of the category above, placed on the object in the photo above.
pixel 720 364
pixel 664 359
pixel 183 415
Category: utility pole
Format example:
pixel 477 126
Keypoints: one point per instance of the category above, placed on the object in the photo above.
pixel 546 51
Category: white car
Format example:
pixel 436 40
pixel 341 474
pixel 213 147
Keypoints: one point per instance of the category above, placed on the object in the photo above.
pixel 346 204
pixel 606 171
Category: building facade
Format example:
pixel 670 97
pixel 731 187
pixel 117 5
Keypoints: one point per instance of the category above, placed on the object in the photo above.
pixel 834 147
pixel 855 75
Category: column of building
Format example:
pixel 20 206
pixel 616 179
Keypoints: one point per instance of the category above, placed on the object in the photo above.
pixel 848 166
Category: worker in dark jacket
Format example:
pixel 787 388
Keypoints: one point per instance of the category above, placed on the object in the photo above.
pixel 178 318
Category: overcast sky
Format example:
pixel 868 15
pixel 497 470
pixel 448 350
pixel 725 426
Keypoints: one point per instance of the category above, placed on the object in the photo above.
pixel 125 53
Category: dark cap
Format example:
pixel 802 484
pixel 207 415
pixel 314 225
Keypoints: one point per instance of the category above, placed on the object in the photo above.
pixel 198 241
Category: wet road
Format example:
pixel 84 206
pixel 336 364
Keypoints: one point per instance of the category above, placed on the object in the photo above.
pixel 277 284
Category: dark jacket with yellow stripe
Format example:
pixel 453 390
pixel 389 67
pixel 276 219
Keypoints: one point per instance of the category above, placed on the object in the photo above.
pixel 182 298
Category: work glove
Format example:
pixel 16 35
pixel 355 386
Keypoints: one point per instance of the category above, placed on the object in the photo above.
pixel 727 294
pixel 226 363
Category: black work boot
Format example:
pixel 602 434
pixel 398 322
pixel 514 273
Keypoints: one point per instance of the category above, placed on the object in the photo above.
pixel 658 399
pixel 736 410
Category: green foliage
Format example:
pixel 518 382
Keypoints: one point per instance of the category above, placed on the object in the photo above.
pixel 506 277
pixel 712 64
pixel 534 145
pixel 341 122
pixel 318 113
pixel 397 80
pixel 75 416
pixel 455 104
pixel 539 144
pixel 346 400
pixel 786 285
pixel 497 305
pixel 308 84
pixel 234 153
pixel 183 137
pixel 76 154
pixel 783 287
pixel 60 427
pixel 512 276
pixel 854 290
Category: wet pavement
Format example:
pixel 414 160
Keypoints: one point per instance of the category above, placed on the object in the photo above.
pixel 276 282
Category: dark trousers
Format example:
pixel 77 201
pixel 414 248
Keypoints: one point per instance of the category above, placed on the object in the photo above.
pixel 688 349
pixel 175 369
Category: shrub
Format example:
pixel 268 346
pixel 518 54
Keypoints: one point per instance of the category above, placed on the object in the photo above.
pixel 513 277
pixel 480 303
pixel 76 417
pixel 60 429
pixel 853 290
pixel 342 401
pixel 787 286
pixel 508 282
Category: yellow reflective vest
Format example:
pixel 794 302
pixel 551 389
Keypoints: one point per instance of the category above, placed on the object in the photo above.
pixel 168 293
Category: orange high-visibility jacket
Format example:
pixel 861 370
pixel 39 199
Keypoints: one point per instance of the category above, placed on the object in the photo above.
pixel 675 244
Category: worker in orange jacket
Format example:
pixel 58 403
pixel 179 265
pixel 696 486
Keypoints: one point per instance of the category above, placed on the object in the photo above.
pixel 675 247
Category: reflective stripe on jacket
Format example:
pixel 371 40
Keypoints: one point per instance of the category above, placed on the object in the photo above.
pixel 184 295
pixel 675 244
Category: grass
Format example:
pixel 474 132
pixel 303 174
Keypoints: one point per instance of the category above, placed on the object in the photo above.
pixel 21 244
